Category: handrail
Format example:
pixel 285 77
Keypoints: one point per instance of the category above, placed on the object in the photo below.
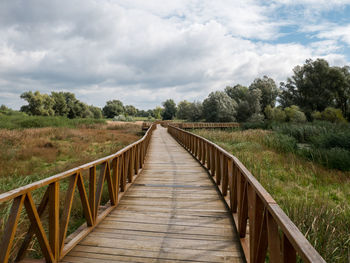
pixel 118 170
pixel 198 125
pixel 193 125
pixel 262 225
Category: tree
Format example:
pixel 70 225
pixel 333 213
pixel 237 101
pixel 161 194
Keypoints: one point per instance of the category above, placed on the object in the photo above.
pixel 96 112
pixel 38 104
pixel 248 101
pixel 130 110
pixel 219 107
pixel 4 108
pixel 60 105
pixel 342 89
pixel 169 109
pixel 157 112
pixel 269 91
pixel 75 108
pixel 183 110
pixel 113 108
pixel 313 87
pixel 142 113
pixel 195 111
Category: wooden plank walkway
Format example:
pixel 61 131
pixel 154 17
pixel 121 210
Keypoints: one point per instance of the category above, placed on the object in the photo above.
pixel 172 213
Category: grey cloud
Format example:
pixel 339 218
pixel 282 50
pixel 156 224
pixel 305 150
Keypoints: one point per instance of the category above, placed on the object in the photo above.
pixel 142 52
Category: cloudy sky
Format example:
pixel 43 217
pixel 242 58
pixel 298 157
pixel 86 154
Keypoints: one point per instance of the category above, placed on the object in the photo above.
pixel 143 52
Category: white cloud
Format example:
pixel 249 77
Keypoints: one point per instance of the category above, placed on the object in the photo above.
pixel 144 52
pixel 341 33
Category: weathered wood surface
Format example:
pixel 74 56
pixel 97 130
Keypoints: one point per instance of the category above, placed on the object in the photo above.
pixel 172 213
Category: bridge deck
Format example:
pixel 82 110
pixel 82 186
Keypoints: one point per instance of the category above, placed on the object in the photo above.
pixel 171 213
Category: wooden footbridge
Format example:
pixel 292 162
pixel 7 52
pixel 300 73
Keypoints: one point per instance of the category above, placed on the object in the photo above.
pixel 166 203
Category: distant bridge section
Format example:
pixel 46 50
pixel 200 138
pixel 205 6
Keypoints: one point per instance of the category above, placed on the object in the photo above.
pixel 193 125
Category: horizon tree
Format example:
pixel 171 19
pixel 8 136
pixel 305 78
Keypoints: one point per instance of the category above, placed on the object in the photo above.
pixel 169 111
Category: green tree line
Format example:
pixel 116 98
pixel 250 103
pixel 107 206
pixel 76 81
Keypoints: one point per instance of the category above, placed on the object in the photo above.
pixel 315 91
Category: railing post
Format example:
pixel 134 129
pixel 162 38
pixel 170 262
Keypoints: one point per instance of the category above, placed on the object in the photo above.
pixel 131 165
pixel 54 219
pixel 10 230
pixel 116 178
pixel 233 187
pixel 224 175
pixel 242 206
pixel 218 166
pixel 92 191
pixel 274 244
pixel 213 157
pixel 137 160
pixel 288 251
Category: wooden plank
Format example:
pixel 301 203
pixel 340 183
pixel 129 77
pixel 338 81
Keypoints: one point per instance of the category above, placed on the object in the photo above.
pixel 134 234
pixel 154 256
pixel 155 245
pixel 171 213
pixel 168 228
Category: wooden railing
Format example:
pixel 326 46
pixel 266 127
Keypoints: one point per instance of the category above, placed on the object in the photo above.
pixel 264 229
pixel 192 125
pixel 208 125
pixel 117 170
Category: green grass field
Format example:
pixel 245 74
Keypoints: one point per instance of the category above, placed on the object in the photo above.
pixel 19 120
pixel 316 198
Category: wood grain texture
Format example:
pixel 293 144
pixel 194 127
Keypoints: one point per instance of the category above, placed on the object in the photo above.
pixel 172 213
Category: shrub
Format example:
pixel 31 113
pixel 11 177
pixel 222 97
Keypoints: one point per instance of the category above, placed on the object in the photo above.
pixel 256 117
pixel 332 115
pixel 332 140
pixel 316 115
pixel 275 114
pixel 279 115
pixel 255 125
pixel 294 114
pixel 303 133
pixel 334 158
pixel 120 117
pixel 129 118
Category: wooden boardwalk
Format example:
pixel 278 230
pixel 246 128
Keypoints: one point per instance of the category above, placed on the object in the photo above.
pixel 171 213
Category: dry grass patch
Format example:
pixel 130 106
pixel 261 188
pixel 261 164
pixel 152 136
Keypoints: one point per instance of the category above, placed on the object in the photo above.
pixel 32 154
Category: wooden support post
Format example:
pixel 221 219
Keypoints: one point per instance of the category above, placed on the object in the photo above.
pixel 274 243
pixel 67 209
pixel 10 230
pixel 38 228
pixel 225 175
pixel 54 201
pixel 92 191
pixel 289 255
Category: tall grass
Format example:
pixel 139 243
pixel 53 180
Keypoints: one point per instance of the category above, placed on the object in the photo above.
pixel 28 155
pixel 322 142
pixel 317 199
